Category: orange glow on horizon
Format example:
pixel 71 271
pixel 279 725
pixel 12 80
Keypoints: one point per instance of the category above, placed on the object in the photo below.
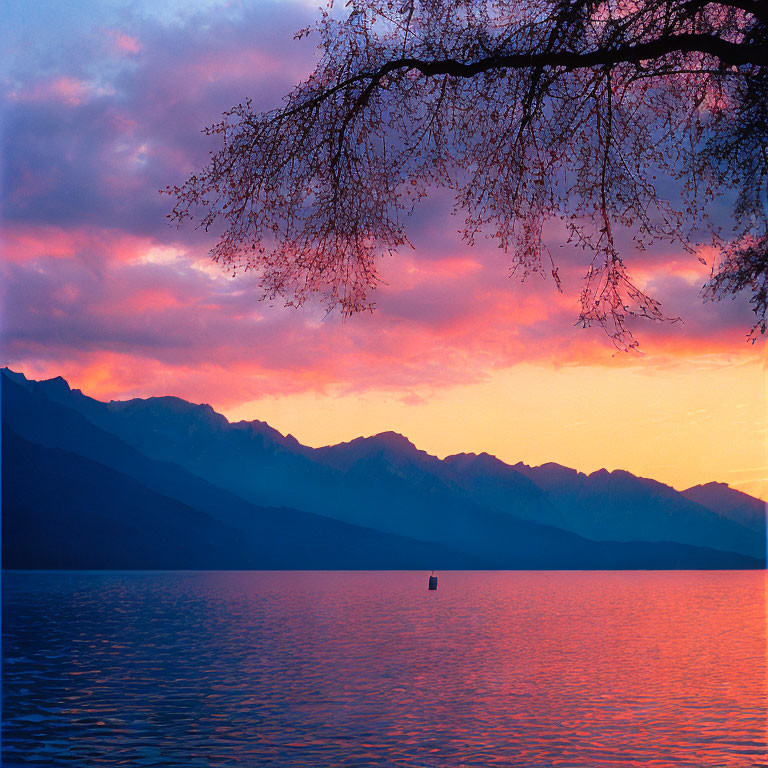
pixel 690 423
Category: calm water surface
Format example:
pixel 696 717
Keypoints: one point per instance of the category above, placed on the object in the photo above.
pixel 369 669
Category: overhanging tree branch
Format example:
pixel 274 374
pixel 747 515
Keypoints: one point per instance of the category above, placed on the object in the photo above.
pixel 728 53
pixel 530 110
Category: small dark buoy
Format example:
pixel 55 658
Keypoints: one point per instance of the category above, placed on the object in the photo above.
pixel 433 581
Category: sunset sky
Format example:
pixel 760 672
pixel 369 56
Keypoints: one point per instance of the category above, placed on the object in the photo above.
pixel 102 105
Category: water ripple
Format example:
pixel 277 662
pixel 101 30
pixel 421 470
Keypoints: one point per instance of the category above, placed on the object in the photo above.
pixel 369 669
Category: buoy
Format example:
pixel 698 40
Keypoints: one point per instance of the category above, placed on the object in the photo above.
pixel 433 581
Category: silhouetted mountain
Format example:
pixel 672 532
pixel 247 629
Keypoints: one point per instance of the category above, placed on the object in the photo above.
pixel 391 447
pixel 496 484
pixel 731 504
pixel 39 419
pixel 63 511
pixel 469 510
pixel 619 506
pixel 277 537
pixel 377 490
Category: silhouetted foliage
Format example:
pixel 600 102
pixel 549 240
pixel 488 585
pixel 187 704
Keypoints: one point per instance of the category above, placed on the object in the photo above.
pixel 626 114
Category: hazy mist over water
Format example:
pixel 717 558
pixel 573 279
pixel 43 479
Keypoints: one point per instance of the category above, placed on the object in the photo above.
pixel 370 669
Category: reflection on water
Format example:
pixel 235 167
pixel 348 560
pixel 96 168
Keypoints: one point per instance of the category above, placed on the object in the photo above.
pixel 371 669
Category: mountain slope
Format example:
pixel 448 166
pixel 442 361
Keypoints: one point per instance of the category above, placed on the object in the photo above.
pixel 291 538
pixel 731 504
pixel 503 487
pixel 372 494
pixel 63 511
pixel 619 506
pixel 495 514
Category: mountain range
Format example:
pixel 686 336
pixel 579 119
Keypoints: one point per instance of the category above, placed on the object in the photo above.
pixel 164 483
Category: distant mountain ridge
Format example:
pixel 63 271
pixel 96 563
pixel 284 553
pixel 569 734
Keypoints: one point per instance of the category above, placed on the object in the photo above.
pixel 609 505
pixel 730 503
pixel 469 510
pixel 38 429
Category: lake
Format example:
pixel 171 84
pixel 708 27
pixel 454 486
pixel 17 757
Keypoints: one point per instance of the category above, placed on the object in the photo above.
pixel 370 669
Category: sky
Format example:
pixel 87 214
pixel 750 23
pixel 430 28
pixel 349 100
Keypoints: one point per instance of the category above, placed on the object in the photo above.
pixel 102 105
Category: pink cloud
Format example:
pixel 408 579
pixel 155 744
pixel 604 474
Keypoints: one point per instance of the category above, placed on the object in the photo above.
pixel 123 42
pixel 25 243
pixel 153 315
pixel 65 90
pixel 234 65
pixel 100 290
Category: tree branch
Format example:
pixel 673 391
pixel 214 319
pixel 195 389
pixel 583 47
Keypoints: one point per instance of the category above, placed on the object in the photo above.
pixel 758 8
pixel 729 53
